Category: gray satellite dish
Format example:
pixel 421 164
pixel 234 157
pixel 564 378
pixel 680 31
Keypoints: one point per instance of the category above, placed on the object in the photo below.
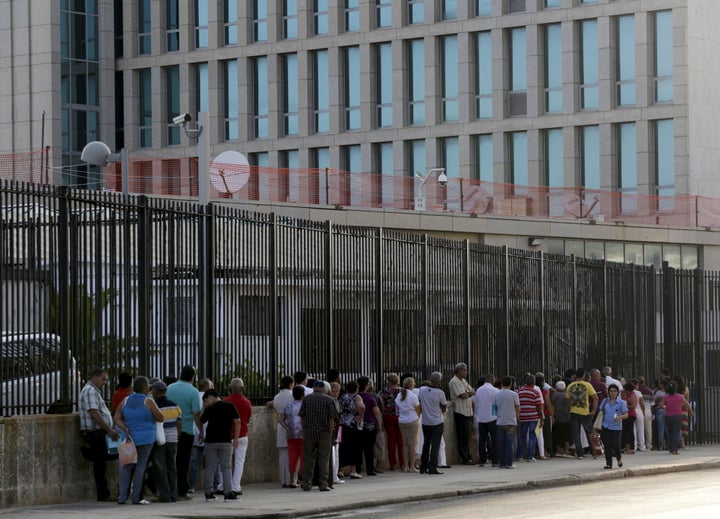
pixel 229 172
pixel 96 153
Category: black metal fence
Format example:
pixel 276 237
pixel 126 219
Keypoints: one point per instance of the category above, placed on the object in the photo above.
pixel 148 285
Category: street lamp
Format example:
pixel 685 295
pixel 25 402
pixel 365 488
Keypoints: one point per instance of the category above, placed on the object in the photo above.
pixel 442 180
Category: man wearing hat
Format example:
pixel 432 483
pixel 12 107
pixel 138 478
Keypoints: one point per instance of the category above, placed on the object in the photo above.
pixel 244 409
pixel 165 469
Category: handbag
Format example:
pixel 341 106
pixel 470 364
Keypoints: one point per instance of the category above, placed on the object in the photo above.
pixel 597 424
pixel 160 433
pixel 127 452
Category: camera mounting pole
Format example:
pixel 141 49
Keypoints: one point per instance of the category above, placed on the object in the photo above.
pixel 442 179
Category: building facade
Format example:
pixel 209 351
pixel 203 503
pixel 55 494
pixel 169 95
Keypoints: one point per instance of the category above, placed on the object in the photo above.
pixel 608 95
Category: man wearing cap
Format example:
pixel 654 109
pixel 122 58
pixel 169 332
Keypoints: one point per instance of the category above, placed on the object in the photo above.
pixel 244 409
pixel 163 456
pixel 434 405
pixel 319 415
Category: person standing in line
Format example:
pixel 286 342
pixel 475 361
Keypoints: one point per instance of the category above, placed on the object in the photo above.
pixel 507 404
pixel 407 407
pixel 433 404
pixel 647 397
pixel 291 423
pixel 244 409
pixel 614 412
pixel 583 402
pixel 164 456
pixel 461 393
pixel 280 402
pixel 390 422
pixel 675 404
pixel 561 434
pixel 486 420
pixel 301 379
pixel 196 454
pixel 659 400
pixel 335 451
pixel 96 424
pixel 319 415
pixel 372 422
pixel 223 434
pixel 352 410
pixel 628 424
pixel 531 410
pixel 184 394
pixel 123 389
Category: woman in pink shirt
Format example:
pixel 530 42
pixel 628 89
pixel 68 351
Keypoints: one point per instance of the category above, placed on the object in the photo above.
pixel 674 405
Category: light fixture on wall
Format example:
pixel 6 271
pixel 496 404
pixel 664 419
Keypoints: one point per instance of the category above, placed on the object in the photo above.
pixel 534 241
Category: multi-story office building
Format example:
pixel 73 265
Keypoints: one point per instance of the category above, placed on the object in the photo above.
pixel 612 95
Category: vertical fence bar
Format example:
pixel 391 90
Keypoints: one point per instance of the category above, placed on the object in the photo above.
pixel 379 284
pixel 208 260
pixel 466 302
pixel 274 298
pixel 668 315
pixel 506 304
pixel 329 253
pixel 699 355
pixel 63 303
pixel 144 279
pixel 425 307
pixel 575 309
pixel 543 342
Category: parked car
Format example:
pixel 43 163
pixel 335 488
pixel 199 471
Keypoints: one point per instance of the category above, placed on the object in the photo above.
pixel 31 376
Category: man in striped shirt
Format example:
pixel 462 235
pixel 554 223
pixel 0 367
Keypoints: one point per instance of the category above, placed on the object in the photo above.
pixel 165 469
pixel 531 410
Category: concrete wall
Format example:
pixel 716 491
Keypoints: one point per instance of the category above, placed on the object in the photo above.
pixel 40 460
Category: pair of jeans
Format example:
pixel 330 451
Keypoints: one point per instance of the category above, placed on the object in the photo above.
pixel 527 439
pixel 394 441
pixel 184 450
pixel 165 470
pixel 98 449
pixel 317 450
pixel 217 453
pixel 432 435
pixel 611 442
pixel 661 430
pixel 367 439
pixel 578 422
pixel 506 444
pixel 135 473
pixel 463 426
pixel 674 423
pixel 487 438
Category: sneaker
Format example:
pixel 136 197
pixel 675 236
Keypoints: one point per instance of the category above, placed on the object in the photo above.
pixel 231 497
pixel 191 490
pixel 530 460
pixel 210 497
pixel 142 502
pixel 510 467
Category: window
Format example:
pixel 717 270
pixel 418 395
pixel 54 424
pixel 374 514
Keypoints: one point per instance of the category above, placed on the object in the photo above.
pixel 202 92
pixel 627 167
pixel 518 72
pixel 172 98
pixel 449 78
pixel 232 108
pixel 231 22
pixel 589 97
pixel 290 159
pixel 484 161
pixel 663 44
pixel 290 94
pixel 320 158
pixel 322 91
pixel 449 9
pixel 383 13
pixel 144 27
pixel 145 106
pixel 483 7
pixel 553 68
pixel 518 162
pixel 483 75
pixel 416 157
pixel 416 11
pixel 515 6
pixel 554 157
pixel 384 158
pixel 553 3
pixel 665 163
pixel 352 158
pixel 352 15
pixel 260 97
pixel 590 157
pixel 259 20
pixel 416 49
pixel 320 16
pixel 201 24
pixel 384 85
pixel 172 26
pixel 290 19
pixel 261 160
pixel 450 149
pixel 625 60
pixel 352 88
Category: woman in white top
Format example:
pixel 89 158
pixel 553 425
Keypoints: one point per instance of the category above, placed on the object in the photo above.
pixel 407 407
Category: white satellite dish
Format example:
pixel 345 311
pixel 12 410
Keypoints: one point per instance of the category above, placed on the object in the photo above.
pixel 229 172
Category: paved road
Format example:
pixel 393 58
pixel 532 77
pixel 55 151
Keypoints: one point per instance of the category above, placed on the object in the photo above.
pixel 685 494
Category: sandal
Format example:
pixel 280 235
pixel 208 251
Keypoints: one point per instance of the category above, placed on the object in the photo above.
pixel 620 463
pixel 355 475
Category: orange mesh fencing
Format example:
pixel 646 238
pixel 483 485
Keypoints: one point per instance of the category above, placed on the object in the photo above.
pixel 31 166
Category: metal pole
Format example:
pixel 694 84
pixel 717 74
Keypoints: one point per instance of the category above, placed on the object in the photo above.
pixel 327 186
pixel 124 171
pixel 329 294
pixel 379 283
pixel 699 356
pixel 203 157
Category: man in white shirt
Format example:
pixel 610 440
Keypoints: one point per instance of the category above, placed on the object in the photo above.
pixel 434 405
pixel 609 380
pixel 460 393
pixel 486 419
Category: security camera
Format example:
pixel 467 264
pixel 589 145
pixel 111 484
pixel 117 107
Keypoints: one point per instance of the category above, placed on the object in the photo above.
pixel 442 179
pixel 182 119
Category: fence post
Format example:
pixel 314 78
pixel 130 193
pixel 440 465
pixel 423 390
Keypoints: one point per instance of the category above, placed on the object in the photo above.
pixel 575 310
pixel 668 316
pixel 208 261
pixel 466 302
pixel 543 342
pixel 699 355
pixel 63 293
pixel 329 294
pixel 379 281
pixel 274 320
pixel 144 277
pixel 425 307
pixel 606 338
pixel 506 266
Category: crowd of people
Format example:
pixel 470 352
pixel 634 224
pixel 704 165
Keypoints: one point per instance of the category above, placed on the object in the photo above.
pixel 328 431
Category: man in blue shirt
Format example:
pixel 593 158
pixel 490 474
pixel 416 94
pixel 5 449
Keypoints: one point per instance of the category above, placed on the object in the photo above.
pixel 434 405
pixel 184 394
pixel 507 403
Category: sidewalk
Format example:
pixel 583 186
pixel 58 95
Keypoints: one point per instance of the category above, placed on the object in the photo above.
pixel 268 500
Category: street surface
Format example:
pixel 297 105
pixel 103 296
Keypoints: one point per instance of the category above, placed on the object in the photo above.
pixel 684 494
